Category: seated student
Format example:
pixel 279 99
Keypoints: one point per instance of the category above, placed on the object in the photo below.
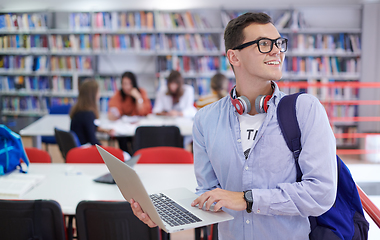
pixel 219 89
pixel 130 100
pixel 176 98
pixel 84 113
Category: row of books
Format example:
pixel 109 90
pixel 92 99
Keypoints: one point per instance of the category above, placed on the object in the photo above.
pixel 138 20
pixel 188 64
pixel 326 94
pixel 341 42
pixel 123 20
pixel 289 19
pixel 24 83
pixel 181 20
pixel 23 63
pixel 23 21
pixel 187 42
pixel 322 65
pixel 27 103
pixel 348 141
pixel 23 42
pixel 342 111
pixel 41 105
pixel 124 42
pixel 70 42
pixel 108 84
pixel 70 64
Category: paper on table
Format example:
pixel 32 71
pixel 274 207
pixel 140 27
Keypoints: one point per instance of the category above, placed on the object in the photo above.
pixel 16 184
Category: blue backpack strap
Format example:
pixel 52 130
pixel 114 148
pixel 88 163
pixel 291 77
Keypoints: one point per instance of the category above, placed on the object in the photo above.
pixel 287 120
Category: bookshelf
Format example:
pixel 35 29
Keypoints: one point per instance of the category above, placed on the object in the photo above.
pixel 45 55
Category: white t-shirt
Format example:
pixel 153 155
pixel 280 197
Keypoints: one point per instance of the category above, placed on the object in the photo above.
pixel 249 126
pixel 185 105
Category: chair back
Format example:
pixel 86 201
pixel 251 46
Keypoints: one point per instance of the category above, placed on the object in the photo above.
pixel 56 109
pixel 31 219
pixel 98 220
pixel 155 136
pixel 168 155
pixel 37 155
pixel 91 154
pixel 66 140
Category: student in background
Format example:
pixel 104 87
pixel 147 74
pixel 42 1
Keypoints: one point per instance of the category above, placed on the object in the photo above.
pixel 219 89
pixel 130 100
pixel 85 112
pixel 176 98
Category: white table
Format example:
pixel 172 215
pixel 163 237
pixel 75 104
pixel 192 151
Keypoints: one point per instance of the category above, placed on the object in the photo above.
pixel 69 184
pixel 126 126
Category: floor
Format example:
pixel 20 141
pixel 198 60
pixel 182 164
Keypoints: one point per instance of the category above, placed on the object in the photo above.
pixel 187 234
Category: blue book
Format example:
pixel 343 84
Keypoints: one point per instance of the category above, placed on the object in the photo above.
pixel 153 42
pixel 137 20
pixel 11 83
pixel 82 42
pixel 3 25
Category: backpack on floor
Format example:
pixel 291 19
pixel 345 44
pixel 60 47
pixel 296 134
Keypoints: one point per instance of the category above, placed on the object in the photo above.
pixel 11 151
pixel 345 219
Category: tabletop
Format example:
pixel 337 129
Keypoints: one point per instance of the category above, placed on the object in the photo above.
pixel 125 126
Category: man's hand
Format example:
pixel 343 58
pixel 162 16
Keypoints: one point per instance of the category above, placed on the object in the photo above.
pixel 222 198
pixel 140 214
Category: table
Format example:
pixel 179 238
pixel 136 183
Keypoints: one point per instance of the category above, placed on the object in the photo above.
pixel 69 184
pixel 126 126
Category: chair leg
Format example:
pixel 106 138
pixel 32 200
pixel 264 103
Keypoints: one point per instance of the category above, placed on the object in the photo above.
pixel 198 233
pixel 70 227
pixel 164 235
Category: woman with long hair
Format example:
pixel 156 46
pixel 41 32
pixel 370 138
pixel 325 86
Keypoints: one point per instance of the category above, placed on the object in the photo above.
pixel 85 111
pixel 176 98
pixel 130 100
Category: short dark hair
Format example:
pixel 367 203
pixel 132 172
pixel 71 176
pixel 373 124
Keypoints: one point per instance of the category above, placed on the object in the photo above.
pixel 233 34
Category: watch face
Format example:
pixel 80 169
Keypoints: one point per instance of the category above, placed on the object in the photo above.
pixel 248 196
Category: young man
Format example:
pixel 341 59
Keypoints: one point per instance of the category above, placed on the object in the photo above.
pixel 242 162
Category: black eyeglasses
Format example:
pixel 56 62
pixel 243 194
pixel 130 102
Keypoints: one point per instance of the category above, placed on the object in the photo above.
pixel 265 45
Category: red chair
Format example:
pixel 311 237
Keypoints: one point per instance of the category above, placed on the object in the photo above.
pixel 91 154
pixel 164 155
pixel 36 155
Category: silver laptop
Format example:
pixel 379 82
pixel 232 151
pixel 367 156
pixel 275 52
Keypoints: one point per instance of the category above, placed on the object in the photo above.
pixel 108 179
pixel 176 214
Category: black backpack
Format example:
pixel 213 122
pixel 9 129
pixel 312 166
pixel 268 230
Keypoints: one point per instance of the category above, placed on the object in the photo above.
pixel 345 219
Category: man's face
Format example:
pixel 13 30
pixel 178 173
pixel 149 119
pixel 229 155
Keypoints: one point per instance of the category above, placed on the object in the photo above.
pixel 255 64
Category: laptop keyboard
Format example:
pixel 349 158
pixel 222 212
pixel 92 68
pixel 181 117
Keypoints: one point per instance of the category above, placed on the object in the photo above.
pixel 171 212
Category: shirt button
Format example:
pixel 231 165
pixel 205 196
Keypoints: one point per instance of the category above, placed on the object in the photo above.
pixel 239 140
pixel 246 168
pixel 247 221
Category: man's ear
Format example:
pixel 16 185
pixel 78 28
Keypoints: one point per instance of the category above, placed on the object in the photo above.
pixel 232 57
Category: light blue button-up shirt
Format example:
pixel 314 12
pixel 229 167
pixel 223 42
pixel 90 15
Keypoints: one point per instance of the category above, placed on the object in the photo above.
pixel 281 205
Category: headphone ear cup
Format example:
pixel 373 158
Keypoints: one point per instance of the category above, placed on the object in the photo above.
pixel 259 103
pixel 247 104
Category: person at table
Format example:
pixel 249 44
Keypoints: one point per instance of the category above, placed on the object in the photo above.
pixel 219 89
pixel 130 100
pixel 85 112
pixel 176 98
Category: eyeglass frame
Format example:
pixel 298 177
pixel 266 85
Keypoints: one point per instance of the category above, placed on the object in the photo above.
pixel 274 42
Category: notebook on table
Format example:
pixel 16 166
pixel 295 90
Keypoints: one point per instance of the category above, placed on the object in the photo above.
pixel 176 214
pixel 107 178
